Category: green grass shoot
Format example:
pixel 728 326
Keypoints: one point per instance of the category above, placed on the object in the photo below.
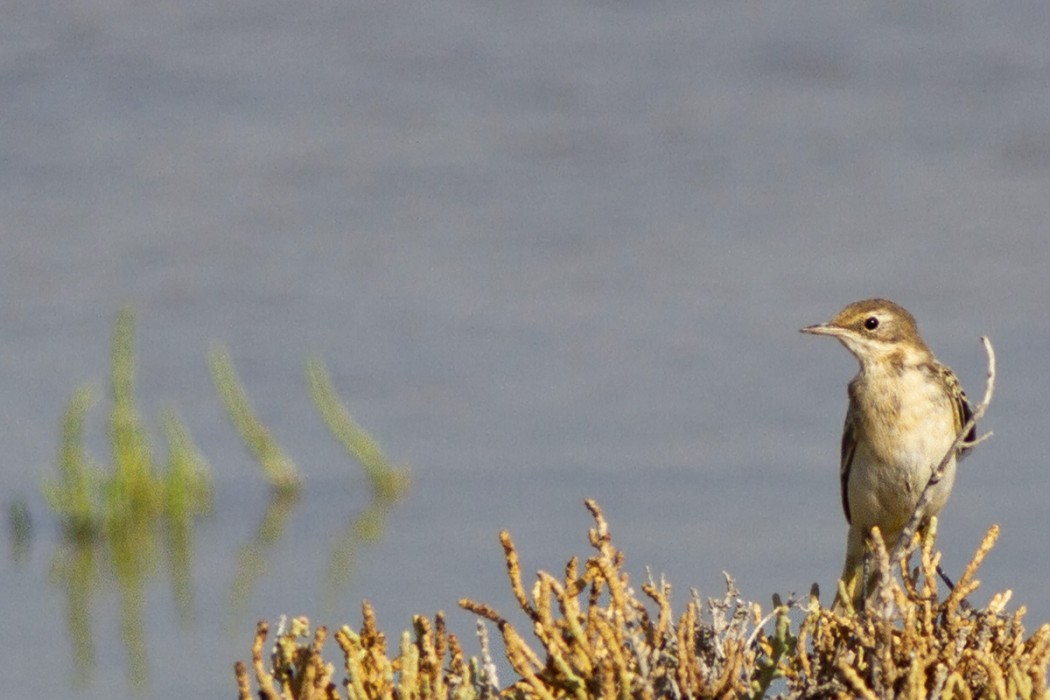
pixel 279 469
pixel 388 481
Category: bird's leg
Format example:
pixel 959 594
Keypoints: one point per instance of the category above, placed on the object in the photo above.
pixel 864 573
pixel 944 577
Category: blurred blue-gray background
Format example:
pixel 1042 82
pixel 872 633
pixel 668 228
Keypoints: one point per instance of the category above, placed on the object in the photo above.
pixel 548 250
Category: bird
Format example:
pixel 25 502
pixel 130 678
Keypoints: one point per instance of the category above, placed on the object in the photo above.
pixel 905 412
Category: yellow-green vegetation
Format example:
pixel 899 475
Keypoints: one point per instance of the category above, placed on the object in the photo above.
pixel 279 469
pixel 118 517
pixel 388 482
pixel 92 501
pixel 595 637
pixel 113 516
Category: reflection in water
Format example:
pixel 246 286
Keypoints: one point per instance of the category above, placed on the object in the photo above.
pixel 363 529
pixel 124 522
pixel 388 483
pixel 251 561
pixel 19 530
pixel 134 561
pixel 73 570
pixel 128 557
pixel 115 520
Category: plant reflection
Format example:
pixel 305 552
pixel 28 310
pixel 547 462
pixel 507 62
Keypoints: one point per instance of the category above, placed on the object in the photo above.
pixel 125 521
pixel 251 560
pixel 19 530
pixel 387 482
pixel 112 518
pixel 364 529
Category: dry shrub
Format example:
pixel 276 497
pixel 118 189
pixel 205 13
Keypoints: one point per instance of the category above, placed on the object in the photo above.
pixel 596 638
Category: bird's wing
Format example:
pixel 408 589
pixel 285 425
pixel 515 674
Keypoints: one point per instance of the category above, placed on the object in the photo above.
pixel 849 447
pixel 961 406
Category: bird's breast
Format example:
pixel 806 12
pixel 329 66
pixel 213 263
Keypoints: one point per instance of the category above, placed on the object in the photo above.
pixel 905 425
pixel 905 417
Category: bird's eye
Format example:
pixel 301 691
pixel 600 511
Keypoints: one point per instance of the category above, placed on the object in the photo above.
pixel 871 323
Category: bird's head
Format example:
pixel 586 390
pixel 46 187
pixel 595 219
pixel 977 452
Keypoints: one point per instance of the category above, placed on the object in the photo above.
pixel 876 331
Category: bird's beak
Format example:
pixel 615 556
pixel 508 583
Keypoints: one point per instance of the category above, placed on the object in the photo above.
pixel 821 329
